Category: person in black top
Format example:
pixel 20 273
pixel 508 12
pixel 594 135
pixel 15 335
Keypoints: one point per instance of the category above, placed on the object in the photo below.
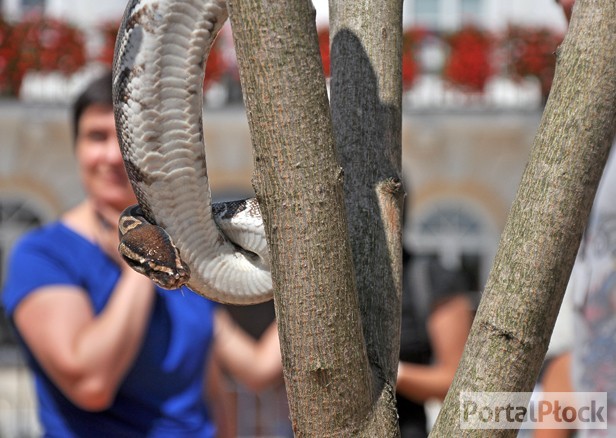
pixel 436 319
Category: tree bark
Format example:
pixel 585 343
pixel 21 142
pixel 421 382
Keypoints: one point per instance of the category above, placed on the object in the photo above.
pixel 514 322
pixel 299 185
pixel 339 361
pixel 366 99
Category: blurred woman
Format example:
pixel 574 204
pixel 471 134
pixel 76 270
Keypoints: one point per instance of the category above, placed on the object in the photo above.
pixel 111 353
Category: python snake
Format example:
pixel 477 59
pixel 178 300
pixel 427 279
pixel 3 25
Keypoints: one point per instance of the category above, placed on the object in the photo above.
pixel 177 236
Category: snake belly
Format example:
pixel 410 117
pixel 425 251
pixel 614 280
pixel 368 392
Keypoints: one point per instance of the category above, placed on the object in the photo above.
pixel 158 72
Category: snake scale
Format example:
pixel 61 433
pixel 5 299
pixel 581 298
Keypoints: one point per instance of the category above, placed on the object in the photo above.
pixel 176 235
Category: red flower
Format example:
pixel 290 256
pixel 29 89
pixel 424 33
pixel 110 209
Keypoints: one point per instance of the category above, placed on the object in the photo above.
pixel 38 44
pixel 109 32
pixel 323 35
pixel 216 64
pixel 468 64
pixel 215 67
pixel 411 42
pixel 530 52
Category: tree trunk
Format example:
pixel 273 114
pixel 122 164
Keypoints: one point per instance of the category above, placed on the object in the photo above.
pixel 512 328
pixel 299 184
pixel 366 99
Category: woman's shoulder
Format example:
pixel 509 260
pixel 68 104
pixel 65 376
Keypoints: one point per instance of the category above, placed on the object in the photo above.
pixel 40 237
pixel 51 254
pixel 52 236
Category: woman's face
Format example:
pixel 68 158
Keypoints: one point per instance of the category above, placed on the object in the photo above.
pixel 100 161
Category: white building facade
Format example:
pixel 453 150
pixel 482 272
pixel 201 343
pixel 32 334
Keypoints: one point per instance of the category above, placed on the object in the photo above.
pixel 439 14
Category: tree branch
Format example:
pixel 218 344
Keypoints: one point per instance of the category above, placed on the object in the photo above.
pixel 514 322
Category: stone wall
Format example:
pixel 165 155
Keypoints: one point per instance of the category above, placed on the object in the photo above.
pixel 462 171
pixel 459 166
pixel 479 155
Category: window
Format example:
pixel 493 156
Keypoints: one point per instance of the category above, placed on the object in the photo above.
pixel 459 236
pixel 446 15
pixel 470 11
pixel 427 13
pixel 32 5
pixel 16 217
pixel 450 220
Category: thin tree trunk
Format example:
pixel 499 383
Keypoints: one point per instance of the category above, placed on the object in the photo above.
pixel 366 99
pixel 336 385
pixel 511 331
pixel 299 185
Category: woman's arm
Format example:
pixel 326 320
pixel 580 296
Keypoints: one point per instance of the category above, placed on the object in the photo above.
pixel 85 355
pixel 448 327
pixel 256 364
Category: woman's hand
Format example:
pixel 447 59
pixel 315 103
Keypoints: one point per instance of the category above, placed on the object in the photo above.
pixel 106 232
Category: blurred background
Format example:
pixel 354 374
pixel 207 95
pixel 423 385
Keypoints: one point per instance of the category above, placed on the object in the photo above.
pixel 476 74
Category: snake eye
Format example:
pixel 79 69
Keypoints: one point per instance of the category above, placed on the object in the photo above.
pixel 127 224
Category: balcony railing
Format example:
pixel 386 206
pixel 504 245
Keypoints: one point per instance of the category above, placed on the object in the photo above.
pixel 42 59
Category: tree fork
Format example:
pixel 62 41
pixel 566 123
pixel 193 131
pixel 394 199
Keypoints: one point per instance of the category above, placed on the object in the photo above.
pixel 299 185
pixel 366 101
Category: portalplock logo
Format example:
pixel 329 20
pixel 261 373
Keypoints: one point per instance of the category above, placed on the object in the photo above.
pixel 525 410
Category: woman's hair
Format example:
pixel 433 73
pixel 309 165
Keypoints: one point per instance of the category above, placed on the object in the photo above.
pixel 97 92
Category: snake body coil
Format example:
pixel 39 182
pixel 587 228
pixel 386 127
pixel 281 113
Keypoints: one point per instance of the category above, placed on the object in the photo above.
pixel 158 70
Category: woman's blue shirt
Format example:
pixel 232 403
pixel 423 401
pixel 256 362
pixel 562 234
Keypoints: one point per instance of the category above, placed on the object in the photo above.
pixel 162 394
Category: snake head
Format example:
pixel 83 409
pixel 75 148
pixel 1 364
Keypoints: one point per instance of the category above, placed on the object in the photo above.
pixel 149 250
